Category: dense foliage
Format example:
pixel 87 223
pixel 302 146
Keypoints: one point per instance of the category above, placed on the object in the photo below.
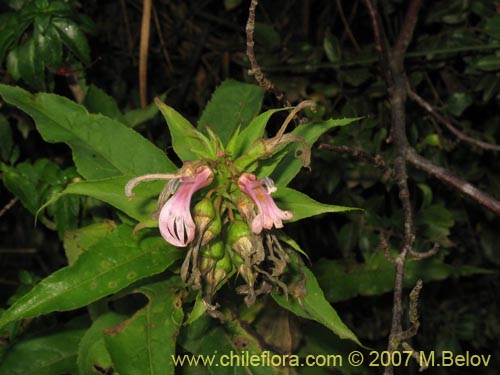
pixel 89 285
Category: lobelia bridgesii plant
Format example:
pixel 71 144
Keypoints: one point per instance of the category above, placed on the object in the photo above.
pixel 235 219
pixel 220 217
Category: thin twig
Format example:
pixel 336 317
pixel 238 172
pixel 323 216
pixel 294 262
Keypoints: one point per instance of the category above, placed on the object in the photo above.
pixel 8 206
pixel 163 45
pixel 130 42
pixel 379 41
pixel 346 26
pixel 255 70
pixel 143 52
pixel 443 120
pixel 377 161
pixel 405 35
pixel 448 178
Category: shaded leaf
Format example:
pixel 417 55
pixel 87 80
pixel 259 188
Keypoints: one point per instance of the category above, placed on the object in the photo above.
pixel 47 355
pixel 376 276
pixel 48 47
pixel 458 102
pixel 23 62
pixel 73 38
pixel 6 140
pixel 138 116
pixel 97 101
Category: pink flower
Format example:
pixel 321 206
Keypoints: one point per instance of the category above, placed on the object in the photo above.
pixel 269 214
pixel 176 224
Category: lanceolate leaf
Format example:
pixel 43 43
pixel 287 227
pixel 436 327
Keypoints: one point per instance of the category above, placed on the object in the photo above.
pixel 98 101
pixel 303 206
pixel 253 132
pixel 73 37
pixel 112 191
pixel 233 104
pixel 314 306
pixel 101 147
pixel 47 355
pixel 144 344
pixel 79 240
pixel 24 63
pixel 288 168
pixel 188 143
pixel 107 267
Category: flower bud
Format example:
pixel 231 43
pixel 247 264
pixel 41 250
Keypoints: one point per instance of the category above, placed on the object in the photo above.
pixel 206 265
pixel 239 238
pixel 224 263
pixel 215 250
pixel 219 272
pixel 203 213
pixel 213 230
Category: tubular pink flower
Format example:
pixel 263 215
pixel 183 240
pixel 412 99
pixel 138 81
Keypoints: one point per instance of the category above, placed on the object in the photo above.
pixel 269 214
pixel 176 224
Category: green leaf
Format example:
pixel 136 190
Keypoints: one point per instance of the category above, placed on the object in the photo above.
pixel 11 28
pixel 145 343
pixel 266 36
pixel 101 147
pixel 107 267
pixel 48 47
pixel 65 213
pixel 139 116
pixel 288 168
pixel 188 143
pixel 233 104
pixel 231 4
pixel 314 306
pixel 46 355
pixel 303 206
pixel 436 221
pixel 73 38
pixel 254 131
pixel 24 62
pixel 92 349
pixel 97 101
pixel 458 102
pixel 492 27
pixel 27 181
pixel 487 63
pixel 112 191
pixel 331 46
pixel 427 195
pixel 198 310
pixel 79 240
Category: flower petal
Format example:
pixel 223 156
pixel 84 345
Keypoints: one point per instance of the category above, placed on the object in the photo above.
pixel 269 214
